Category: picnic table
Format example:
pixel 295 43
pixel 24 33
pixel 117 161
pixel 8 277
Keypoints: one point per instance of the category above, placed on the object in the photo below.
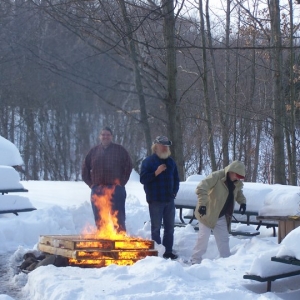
pixel 236 218
pixel 284 259
pixel 285 224
pixel 186 199
pixel 10 184
pixel 16 203
pixel 251 218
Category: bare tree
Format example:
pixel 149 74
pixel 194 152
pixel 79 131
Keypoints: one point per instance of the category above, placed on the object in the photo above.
pixel 276 59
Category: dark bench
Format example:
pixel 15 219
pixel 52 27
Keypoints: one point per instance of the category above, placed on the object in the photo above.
pixel 191 218
pixel 6 191
pixel 244 233
pixel 15 211
pixel 181 217
pixel 269 279
pixel 284 259
pixel 246 219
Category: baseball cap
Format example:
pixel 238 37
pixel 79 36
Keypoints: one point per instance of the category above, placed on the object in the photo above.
pixel 163 140
pixel 239 176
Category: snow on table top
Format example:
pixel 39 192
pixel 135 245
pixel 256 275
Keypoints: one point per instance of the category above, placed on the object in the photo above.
pixel 14 202
pixel 9 153
pixel 9 178
pixel 266 199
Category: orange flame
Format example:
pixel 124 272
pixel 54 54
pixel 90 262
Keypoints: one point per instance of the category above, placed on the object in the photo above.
pixel 108 227
pixel 109 245
pixel 101 262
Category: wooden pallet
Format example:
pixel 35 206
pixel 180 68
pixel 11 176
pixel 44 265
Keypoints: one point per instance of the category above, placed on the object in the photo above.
pixel 88 251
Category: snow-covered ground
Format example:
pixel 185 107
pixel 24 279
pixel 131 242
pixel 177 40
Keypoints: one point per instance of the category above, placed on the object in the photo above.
pixel 64 208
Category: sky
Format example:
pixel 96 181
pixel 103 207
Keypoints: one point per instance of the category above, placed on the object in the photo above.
pixel 63 208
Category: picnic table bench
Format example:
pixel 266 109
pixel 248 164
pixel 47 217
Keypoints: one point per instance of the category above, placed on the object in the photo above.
pixel 285 224
pixel 251 218
pixel 14 210
pixel 286 260
pixel 269 279
pixel 6 191
pixel 236 218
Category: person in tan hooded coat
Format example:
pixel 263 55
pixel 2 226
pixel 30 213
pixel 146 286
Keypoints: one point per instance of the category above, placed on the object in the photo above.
pixel 216 194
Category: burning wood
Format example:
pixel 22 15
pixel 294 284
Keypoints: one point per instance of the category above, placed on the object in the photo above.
pixel 105 246
pixel 88 251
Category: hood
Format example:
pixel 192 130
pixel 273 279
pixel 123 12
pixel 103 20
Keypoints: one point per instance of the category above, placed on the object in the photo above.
pixel 236 167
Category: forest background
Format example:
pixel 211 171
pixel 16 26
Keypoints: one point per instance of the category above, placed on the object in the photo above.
pixel 220 78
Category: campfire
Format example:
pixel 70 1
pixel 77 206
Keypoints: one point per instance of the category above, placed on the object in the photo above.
pixel 88 251
pixel 101 247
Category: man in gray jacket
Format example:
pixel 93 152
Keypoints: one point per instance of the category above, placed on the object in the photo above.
pixel 216 194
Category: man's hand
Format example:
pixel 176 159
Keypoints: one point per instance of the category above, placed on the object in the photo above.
pixel 160 169
pixel 202 210
pixel 242 208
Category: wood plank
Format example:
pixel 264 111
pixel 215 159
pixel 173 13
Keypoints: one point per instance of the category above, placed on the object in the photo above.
pixel 289 226
pixel 115 254
pixel 57 241
pixel 97 254
pixel 281 230
pixel 100 263
pixel 74 242
pixel 57 251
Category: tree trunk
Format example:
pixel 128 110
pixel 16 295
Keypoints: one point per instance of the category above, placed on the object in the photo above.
pixel 290 127
pixel 224 113
pixel 211 147
pixel 172 104
pixel 278 107
pixel 137 76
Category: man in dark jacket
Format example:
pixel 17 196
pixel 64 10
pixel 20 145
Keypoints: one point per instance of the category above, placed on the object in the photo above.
pixel 160 178
pixel 106 170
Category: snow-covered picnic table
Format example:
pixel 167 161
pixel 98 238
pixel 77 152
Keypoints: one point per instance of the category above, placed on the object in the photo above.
pixel 262 200
pixel 10 183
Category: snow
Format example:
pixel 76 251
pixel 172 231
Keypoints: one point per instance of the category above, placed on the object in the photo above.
pixel 266 199
pixel 14 202
pixel 9 178
pixel 64 208
pixel 10 155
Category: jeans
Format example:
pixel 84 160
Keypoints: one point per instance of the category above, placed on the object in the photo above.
pixel 162 211
pixel 117 203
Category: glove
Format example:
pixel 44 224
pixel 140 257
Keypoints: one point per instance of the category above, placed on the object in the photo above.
pixel 202 210
pixel 242 208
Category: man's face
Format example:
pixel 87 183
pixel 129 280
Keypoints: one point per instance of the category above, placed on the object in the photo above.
pixel 162 151
pixel 233 176
pixel 105 138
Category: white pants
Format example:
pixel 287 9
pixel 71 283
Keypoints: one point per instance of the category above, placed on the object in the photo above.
pixel 221 236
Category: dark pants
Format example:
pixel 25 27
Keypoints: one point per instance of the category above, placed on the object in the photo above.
pixel 117 203
pixel 162 211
